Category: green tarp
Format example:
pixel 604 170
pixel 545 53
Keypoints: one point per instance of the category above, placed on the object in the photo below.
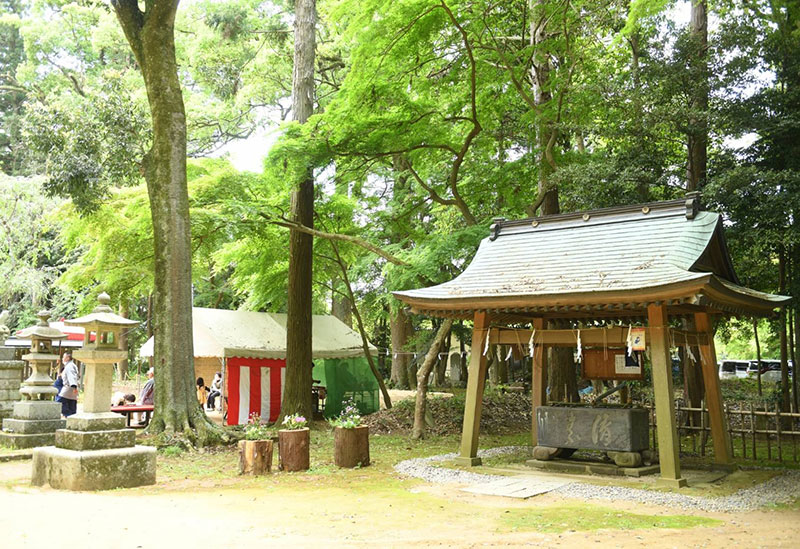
pixel 346 378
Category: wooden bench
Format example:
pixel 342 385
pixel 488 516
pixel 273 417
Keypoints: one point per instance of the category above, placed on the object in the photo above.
pixel 128 412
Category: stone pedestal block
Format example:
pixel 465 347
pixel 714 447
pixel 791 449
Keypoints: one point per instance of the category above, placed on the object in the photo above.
pixel 96 422
pixel 65 469
pixel 37 410
pixel 99 378
pixel 95 440
pixel 33 426
pixel 10 377
pixel 20 441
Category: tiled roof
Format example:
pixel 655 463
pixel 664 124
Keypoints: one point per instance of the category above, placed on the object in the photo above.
pixel 601 252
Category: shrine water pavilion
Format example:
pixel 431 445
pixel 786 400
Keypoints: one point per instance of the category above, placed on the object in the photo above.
pixel 599 272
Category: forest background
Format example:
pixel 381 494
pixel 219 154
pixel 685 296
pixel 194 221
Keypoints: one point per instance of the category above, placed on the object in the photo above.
pixel 431 118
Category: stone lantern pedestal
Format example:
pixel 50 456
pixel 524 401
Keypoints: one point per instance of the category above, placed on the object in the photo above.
pixel 10 372
pixel 96 451
pixel 37 416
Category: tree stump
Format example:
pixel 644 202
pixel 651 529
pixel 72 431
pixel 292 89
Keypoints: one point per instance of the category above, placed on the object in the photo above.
pixel 255 457
pixel 293 447
pixel 351 446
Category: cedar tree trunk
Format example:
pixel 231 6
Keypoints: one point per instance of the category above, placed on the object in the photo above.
pixel 297 391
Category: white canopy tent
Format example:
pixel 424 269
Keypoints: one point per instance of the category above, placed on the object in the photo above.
pixel 249 349
pixel 221 334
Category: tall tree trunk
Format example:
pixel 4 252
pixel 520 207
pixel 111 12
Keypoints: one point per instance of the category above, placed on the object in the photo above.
pixel 401 330
pixel 794 356
pixel 546 132
pixel 502 364
pixel 693 377
pixel 422 379
pixel 341 307
pixel 783 339
pixel 151 37
pixel 297 388
pixel 758 355
pixel 441 364
pixel 697 138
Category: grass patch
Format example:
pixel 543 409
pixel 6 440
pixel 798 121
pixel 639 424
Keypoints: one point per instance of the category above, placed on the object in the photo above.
pixel 592 517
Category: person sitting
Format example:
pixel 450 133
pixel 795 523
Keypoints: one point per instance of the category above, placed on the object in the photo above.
pixel 202 391
pixel 118 399
pixel 216 390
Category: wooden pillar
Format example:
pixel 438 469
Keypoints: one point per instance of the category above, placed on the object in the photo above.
pixel 716 413
pixel 668 442
pixel 538 380
pixel 475 385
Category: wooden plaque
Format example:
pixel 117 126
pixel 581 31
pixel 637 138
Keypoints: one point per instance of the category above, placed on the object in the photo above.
pixel 611 364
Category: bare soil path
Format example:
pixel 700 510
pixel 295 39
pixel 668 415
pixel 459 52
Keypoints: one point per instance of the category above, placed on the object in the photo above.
pixel 359 508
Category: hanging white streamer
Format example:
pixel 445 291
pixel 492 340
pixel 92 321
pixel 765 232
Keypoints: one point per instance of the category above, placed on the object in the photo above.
pixel 690 353
pixel 486 347
pixel 580 347
pixel 531 344
pixel 629 341
pixel 509 353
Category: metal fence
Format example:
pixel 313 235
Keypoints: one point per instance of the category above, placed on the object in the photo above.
pixel 756 431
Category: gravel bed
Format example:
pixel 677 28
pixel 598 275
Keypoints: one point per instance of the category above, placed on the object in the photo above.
pixel 780 489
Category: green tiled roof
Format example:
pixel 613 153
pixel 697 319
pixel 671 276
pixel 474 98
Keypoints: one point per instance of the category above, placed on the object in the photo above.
pixel 602 252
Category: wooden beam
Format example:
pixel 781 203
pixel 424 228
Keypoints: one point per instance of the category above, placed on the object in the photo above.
pixel 475 386
pixel 719 428
pixel 668 442
pixel 538 379
pixel 614 336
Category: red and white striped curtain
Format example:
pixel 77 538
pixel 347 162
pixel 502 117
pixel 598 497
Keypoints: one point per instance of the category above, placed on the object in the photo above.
pixel 255 385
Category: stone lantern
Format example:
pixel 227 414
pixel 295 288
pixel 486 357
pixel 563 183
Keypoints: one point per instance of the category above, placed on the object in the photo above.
pixel 36 417
pixel 96 451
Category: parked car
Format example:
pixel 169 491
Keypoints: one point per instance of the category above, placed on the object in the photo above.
pixel 728 369
pixel 771 370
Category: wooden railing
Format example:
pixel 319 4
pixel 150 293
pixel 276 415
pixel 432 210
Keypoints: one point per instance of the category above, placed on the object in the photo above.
pixel 756 432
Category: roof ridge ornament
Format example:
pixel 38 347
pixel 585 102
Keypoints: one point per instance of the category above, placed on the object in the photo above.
pixel 494 228
pixel 692 204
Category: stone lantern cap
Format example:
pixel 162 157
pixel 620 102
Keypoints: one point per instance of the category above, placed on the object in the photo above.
pixel 102 315
pixel 42 330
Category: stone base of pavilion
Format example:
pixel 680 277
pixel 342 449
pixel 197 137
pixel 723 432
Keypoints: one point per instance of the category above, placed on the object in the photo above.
pixel 34 423
pixel 94 452
pixel 576 466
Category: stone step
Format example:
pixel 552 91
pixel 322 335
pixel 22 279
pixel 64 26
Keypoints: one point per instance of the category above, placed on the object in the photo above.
pixel 33 426
pixel 23 440
pixel 95 440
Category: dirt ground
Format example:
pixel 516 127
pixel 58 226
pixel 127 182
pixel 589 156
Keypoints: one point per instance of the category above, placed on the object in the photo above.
pixel 353 510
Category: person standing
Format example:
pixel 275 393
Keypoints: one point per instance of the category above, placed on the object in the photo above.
pixel 148 391
pixel 146 397
pixel 69 391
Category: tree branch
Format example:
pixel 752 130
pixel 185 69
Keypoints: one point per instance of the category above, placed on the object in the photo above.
pixel 288 224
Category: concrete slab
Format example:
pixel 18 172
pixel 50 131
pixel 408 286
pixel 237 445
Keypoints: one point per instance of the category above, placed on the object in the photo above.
pixel 516 487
